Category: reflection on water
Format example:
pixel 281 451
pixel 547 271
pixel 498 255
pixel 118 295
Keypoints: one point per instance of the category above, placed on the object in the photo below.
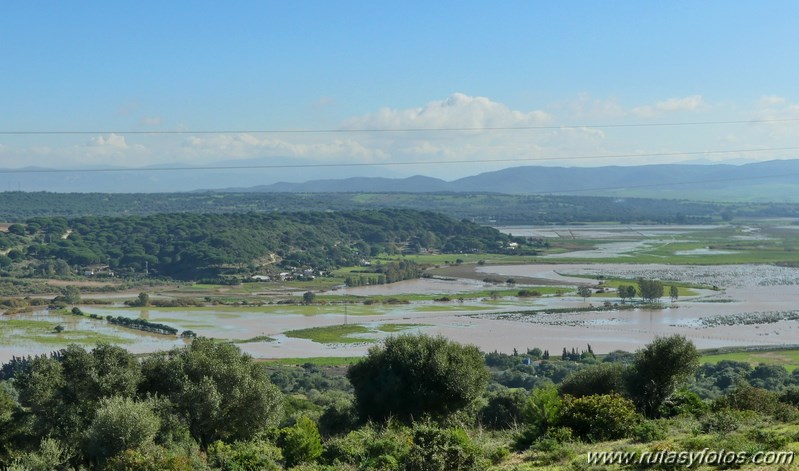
pixel 753 289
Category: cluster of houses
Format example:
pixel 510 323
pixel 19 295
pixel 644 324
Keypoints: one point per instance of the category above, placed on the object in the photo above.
pixel 301 274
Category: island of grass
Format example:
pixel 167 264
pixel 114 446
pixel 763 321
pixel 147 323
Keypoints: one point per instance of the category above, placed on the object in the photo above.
pixel 344 333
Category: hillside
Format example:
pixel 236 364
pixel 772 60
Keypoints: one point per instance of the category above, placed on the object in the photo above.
pixel 192 246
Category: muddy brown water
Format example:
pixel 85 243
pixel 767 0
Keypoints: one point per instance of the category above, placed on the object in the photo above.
pixel 750 289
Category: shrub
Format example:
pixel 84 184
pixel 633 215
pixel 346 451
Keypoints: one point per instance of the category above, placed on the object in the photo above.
pixel 683 402
pixel 648 431
pixel 301 443
pixel 604 378
pixel 554 446
pixel 790 396
pixel 541 411
pixel 601 417
pixel 503 410
pixel 722 422
pixel 746 397
pixel 255 454
pixel 436 449
pixel 369 448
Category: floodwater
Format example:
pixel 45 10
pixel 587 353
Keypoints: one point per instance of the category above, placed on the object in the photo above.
pixel 748 291
pixel 418 286
pixel 599 231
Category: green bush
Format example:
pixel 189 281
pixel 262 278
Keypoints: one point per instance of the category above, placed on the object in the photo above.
pixel 553 447
pixel 157 458
pixel 683 402
pixel 601 417
pixel 722 421
pixel 437 449
pixel 250 455
pixel 648 431
pixel 503 409
pixel 604 378
pixel 301 443
pixel 759 400
pixel 369 447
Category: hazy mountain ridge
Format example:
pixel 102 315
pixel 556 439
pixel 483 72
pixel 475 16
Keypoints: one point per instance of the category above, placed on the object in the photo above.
pixel 767 181
pixel 775 181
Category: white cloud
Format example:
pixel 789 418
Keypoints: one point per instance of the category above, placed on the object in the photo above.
pixel 243 146
pixel 671 105
pixel 112 141
pixel 111 148
pixel 457 111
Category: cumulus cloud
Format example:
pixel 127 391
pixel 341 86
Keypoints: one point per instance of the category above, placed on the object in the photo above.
pixel 112 141
pixel 244 145
pixel 111 148
pixel 671 105
pixel 456 111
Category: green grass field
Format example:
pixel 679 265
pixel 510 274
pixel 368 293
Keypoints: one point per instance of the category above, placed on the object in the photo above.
pixel 788 358
pixel 332 334
pixel 318 361
pixel 343 333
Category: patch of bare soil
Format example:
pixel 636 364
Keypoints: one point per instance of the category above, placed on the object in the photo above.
pixel 81 283
pixel 470 272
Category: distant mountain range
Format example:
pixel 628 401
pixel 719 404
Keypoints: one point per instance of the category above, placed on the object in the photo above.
pixel 776 180
pixel 773 181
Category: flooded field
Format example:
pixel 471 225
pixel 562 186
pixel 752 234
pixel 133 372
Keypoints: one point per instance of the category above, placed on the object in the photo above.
pixel 739 304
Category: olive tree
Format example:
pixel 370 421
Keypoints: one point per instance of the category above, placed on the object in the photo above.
pixel 120 424
pixel 220 392
pixel 417 375
pixel 658 370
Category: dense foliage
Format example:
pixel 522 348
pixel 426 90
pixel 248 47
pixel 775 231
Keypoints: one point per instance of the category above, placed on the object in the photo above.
pixel 194 246
pixel 207 407
pixel 413 376
pixel 485 208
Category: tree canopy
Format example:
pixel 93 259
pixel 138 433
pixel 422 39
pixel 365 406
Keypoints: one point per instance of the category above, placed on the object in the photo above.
pixel 416 375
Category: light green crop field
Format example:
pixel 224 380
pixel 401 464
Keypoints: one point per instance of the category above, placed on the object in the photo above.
pixel 20 331
pixel 344 333
pixel 332 334
pixel 787 358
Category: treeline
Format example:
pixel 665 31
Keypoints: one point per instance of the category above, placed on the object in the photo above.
pixel 414 403
pixel 383 273
pixel 194 246
pixel 142 324
pixel 487 208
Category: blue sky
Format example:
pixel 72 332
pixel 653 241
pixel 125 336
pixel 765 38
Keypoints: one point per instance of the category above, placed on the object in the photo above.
pixel 109 67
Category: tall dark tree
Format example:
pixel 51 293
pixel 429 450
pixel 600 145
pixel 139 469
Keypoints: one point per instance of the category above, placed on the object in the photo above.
pixel 220 392
pixel 658 370
pixel 412 376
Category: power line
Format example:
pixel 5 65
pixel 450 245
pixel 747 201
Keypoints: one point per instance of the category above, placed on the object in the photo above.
pixel 388 164
pixel 393 130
